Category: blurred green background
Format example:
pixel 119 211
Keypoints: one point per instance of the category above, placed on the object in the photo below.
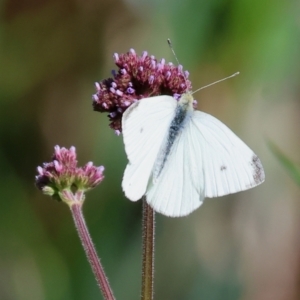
pixel 244 246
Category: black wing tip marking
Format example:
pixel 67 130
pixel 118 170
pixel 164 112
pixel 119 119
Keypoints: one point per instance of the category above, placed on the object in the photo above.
pixel 258 171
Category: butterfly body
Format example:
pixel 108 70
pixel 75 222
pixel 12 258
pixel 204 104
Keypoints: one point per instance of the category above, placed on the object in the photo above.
pixel 183 112
pixel 178 156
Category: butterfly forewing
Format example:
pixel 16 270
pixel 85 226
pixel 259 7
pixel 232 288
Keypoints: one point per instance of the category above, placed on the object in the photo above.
pixel 145 125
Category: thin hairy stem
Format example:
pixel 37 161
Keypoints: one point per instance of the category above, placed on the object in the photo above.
pixel 148 251
pixel 76 209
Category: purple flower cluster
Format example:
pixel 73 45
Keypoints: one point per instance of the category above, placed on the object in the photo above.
pixel 137 77
pixel 62 174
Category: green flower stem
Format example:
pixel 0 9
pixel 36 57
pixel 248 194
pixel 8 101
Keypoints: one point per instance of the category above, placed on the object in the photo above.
pixel 76 209
pixel 148 251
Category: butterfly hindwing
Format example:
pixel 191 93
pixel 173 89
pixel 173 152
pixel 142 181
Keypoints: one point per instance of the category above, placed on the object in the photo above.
pixel 179 189
pixel 229 165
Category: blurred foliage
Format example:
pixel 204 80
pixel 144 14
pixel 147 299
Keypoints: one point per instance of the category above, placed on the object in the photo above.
pixel 245 246
pixel 286 162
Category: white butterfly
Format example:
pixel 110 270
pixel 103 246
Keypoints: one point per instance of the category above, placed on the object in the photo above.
pixel 178 156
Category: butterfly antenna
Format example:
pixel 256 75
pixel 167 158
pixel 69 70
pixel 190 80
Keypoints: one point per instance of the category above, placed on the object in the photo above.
pixel 233 75
pixel 172 49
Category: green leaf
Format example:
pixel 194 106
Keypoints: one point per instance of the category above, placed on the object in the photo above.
pixel 287 163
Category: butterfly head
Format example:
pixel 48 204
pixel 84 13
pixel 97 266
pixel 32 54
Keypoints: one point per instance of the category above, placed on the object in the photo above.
pixel 187 101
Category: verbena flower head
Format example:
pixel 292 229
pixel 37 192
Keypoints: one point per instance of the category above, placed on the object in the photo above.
pixel 137 77
pixel 61 175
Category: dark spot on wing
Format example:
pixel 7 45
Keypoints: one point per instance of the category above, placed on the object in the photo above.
pixel 141 130
pixel 223 168
pixel 258 171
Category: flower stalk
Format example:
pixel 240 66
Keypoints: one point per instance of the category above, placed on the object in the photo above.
pixel 148 251
pixel 90 251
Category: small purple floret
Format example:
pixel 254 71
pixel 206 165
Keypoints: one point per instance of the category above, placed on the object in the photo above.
pixel 58 166
pixel 153 64
pixel 113 114
pixel 116 57
pixel 40 170
pixel 97 85
pixel 95 97
pixel 160 67
pixel 151 79
pixel 132 51
pixel 130 90
pixel 176 96
pixel 144 55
